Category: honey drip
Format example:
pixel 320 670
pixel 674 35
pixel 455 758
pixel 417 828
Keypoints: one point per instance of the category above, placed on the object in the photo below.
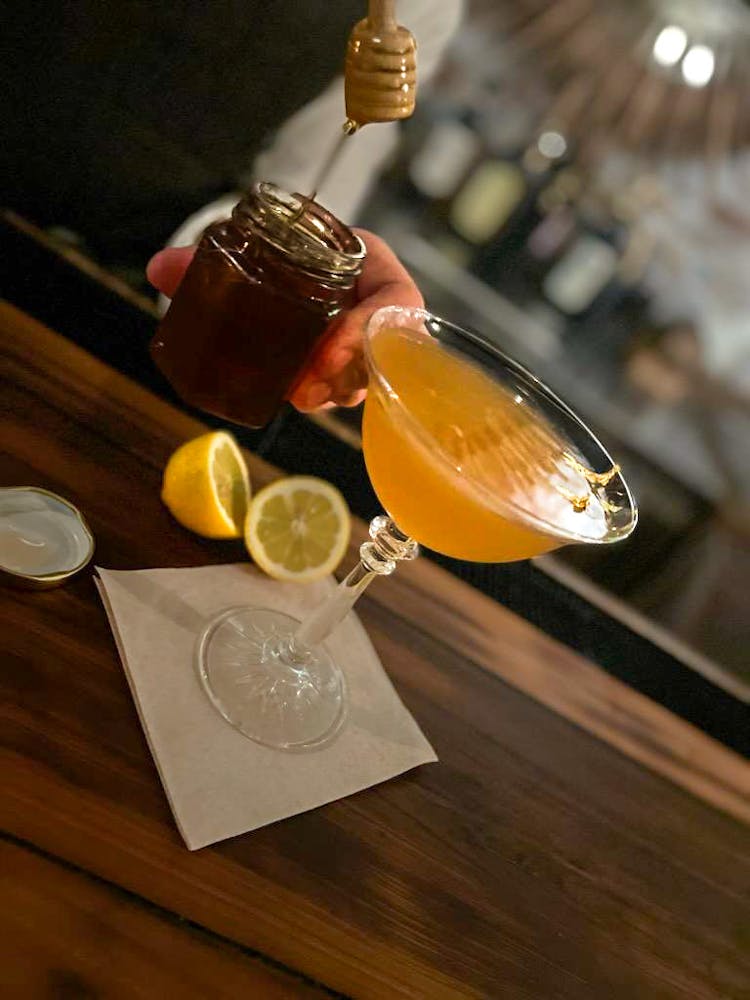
pixel 505 441
pixel 579 502
pixel 609 507
pixel 594 478
pixel 597 480
pixel 380 79
pixel 348 128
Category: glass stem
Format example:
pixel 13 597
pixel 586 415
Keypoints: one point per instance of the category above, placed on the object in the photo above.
pixel 378 557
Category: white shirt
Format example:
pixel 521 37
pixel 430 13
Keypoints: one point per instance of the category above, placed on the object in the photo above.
pixel 303 142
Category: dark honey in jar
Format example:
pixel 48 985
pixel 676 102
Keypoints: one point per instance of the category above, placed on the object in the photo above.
pixel 255 303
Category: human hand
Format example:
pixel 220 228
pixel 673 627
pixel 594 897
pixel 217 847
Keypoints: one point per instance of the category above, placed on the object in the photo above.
pixel 336 375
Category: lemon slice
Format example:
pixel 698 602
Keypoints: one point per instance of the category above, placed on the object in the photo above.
pixel 298 528
pixel 206 486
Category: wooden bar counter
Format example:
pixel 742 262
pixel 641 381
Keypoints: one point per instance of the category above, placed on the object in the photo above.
pixel 576 840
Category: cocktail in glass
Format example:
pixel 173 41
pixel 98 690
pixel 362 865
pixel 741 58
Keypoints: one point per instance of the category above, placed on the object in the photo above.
pixel 470 455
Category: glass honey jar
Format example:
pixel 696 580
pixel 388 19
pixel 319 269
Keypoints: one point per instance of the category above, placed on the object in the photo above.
pixel 255 303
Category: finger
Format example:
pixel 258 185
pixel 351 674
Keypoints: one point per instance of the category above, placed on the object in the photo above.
pixel 166 269
pixel 337 372
pixel 323 395
pixel 311 394
pixel 333 401
pixel 342 350
pixel 383 270
pixel 351 398
pixel 384 282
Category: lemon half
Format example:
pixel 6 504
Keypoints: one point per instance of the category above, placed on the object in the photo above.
pixel 298 528
pixel 206 486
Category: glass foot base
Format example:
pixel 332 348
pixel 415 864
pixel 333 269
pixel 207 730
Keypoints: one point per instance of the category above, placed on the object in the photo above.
pixel 287 706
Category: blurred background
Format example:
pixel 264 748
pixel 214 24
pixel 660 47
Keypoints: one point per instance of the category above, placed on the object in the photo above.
pixel 575 183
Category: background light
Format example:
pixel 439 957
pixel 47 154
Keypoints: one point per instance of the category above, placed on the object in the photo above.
pixel 698 66
pixel 552 145
pixel 670 43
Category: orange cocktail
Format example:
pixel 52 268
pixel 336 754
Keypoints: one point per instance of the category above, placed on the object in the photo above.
pixel 465 462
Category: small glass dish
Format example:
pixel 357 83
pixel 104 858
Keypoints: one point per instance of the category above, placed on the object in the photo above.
pixel 44 538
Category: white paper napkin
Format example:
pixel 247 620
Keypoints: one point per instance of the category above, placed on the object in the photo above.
pixel 218 782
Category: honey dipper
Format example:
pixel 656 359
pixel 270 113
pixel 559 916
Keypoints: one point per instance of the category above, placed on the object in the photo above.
pixel 380 79
pixel 380 71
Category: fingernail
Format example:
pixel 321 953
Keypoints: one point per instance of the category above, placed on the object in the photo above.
pixel 317 394
pixel 350 398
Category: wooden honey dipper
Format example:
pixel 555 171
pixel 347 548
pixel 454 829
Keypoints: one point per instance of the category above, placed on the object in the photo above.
pixel 380 80
pixel 380 72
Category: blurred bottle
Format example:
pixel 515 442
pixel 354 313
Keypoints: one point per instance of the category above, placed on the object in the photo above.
pixel 463 158
pixel 585 275
pixel 608 255
pixel 554 224
pixel 445 156
pixel 504 203
pixel 492 194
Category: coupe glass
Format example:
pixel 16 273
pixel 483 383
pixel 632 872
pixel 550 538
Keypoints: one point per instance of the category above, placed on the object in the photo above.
pixel 471 455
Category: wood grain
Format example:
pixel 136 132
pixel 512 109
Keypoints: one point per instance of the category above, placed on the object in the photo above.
pixel 144 430
pixel 69 935
pixel 534 861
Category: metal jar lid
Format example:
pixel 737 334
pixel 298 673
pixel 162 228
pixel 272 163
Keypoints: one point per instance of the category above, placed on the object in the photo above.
pixel 44 538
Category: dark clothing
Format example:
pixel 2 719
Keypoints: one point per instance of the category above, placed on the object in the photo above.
pixel 123 117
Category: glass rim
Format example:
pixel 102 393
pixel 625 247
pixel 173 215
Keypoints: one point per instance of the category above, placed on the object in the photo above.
pixel 514 510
